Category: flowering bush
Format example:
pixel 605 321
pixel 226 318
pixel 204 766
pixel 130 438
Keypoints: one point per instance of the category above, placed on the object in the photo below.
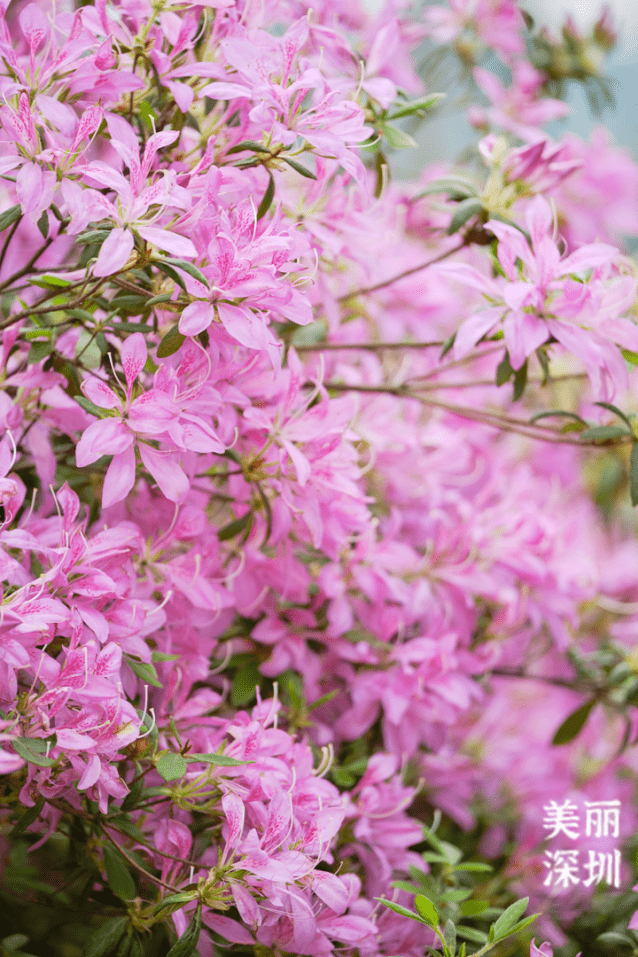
pixel 319 573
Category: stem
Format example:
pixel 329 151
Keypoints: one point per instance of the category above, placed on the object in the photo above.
pixel 8 240
pixel 367 346
pixel 26 268
pixel 406 272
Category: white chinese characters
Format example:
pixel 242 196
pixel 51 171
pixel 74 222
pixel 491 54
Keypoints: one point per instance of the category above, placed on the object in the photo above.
pixel 567 868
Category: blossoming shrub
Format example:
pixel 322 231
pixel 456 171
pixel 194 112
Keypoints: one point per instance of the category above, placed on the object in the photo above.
pixel 318 571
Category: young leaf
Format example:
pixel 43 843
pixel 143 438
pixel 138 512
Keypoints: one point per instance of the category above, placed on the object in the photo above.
pixel 219 760
pixel 449 936
pixel 425 103
pixel 145 671
pixel 398 909
pixel 187 267
pixel 104 941
pixel 471 933
pixel 509 917
pixel 299 168
pixel 171 766
pixel 603 433
pixel 248 145
pixel 170 343
pixel 473 908
pixel 427 910
pixel 268 197
pixel 188 941
pixel 573 724
pixel 33 750
pixel 615 410
pixel 504 371
pixel 175 900
pixel 463 212
pixel 473 866
pixel 117 874
pixel 569 415
pixel 520 381
pixel 398 138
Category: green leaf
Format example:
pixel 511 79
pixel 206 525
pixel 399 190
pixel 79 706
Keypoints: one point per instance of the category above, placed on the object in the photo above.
pixel 473 866
pixel 473 908
pixel 248 145
pixel 524 923
pixel 148 115
pixel 13 942
pixel 39 351
pixel 298 167
pixel 573 724
pixel 603 433
pixel 43 224
pixel 398 909
pixel 9 216
pixel 170 343
pixel 449 936
pixel 397 138
pixel 123 823
pixel 269 195
pixel 426 910
pixel 459 894
pixel 504 371
pixel 471 934
pixel 509 917
pixel 242 690
pixel 633 474
pixel 415 106
pixel 615 410
pixel 47 281
pixel 188 941
pixel 629 356
pixel 219 760
pixel 88 406
pixel 156 300
pixel 171 766
pixel 175 900
pixel 611 940
pixel 235 527
pixel 464 211
pixel 520 381
pixel 117 874
pixel 170 272
pixel 187 267
pixel 104 941
pixel 569 415
pixel 87 350
pixel 33 750
pixel 30 815
pixel 163 656
pixel 145 671
pixel 456 188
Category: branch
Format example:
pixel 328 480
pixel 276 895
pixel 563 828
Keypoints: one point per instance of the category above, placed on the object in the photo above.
pixel 406 272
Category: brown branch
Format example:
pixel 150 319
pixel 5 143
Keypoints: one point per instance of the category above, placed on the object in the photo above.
pixel 406 272
pixel 366 346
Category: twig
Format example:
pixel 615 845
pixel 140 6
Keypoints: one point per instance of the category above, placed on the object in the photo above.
pixel 406 272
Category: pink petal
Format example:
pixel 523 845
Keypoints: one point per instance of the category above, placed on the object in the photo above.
pixel 133 357
pixel 100 394
pixel 106 437
pixel 91 773
pixel 120 477
pixel 196 317
pixel 172 481
pixel 115 251
pixel 170 242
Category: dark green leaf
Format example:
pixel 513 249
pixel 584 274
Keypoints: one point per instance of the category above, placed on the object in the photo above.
pixel 426 910
pixel 235 528
pixel 509 917
pixel 573 724
pixel 188 941
pixel 473 866
pixel 615 410
pixel 397 138
pixel 464 211
pixel 175 900
pixel 170 272
pixel 171 342
pixel 171 766
pixel 603 433
pixel 145 671
pixel 447 345
pixel 30 815
pixel 248 145
pixel 504 371
pixel 299 168
pixel 104 941
pixel 43 224
pixel 88 406
pixel 611 941
pixel 127 826
pixel 189 268
pixel 13 942
pixel 219 760
pixel 33 750
pixel 520 381
pixel 633 474
pixel 569 415
pixel 156 300
pixel 269 195
pixel 117 874
pixel 242 690
pixel 9 216
pixel 455 188
pixel 458 894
